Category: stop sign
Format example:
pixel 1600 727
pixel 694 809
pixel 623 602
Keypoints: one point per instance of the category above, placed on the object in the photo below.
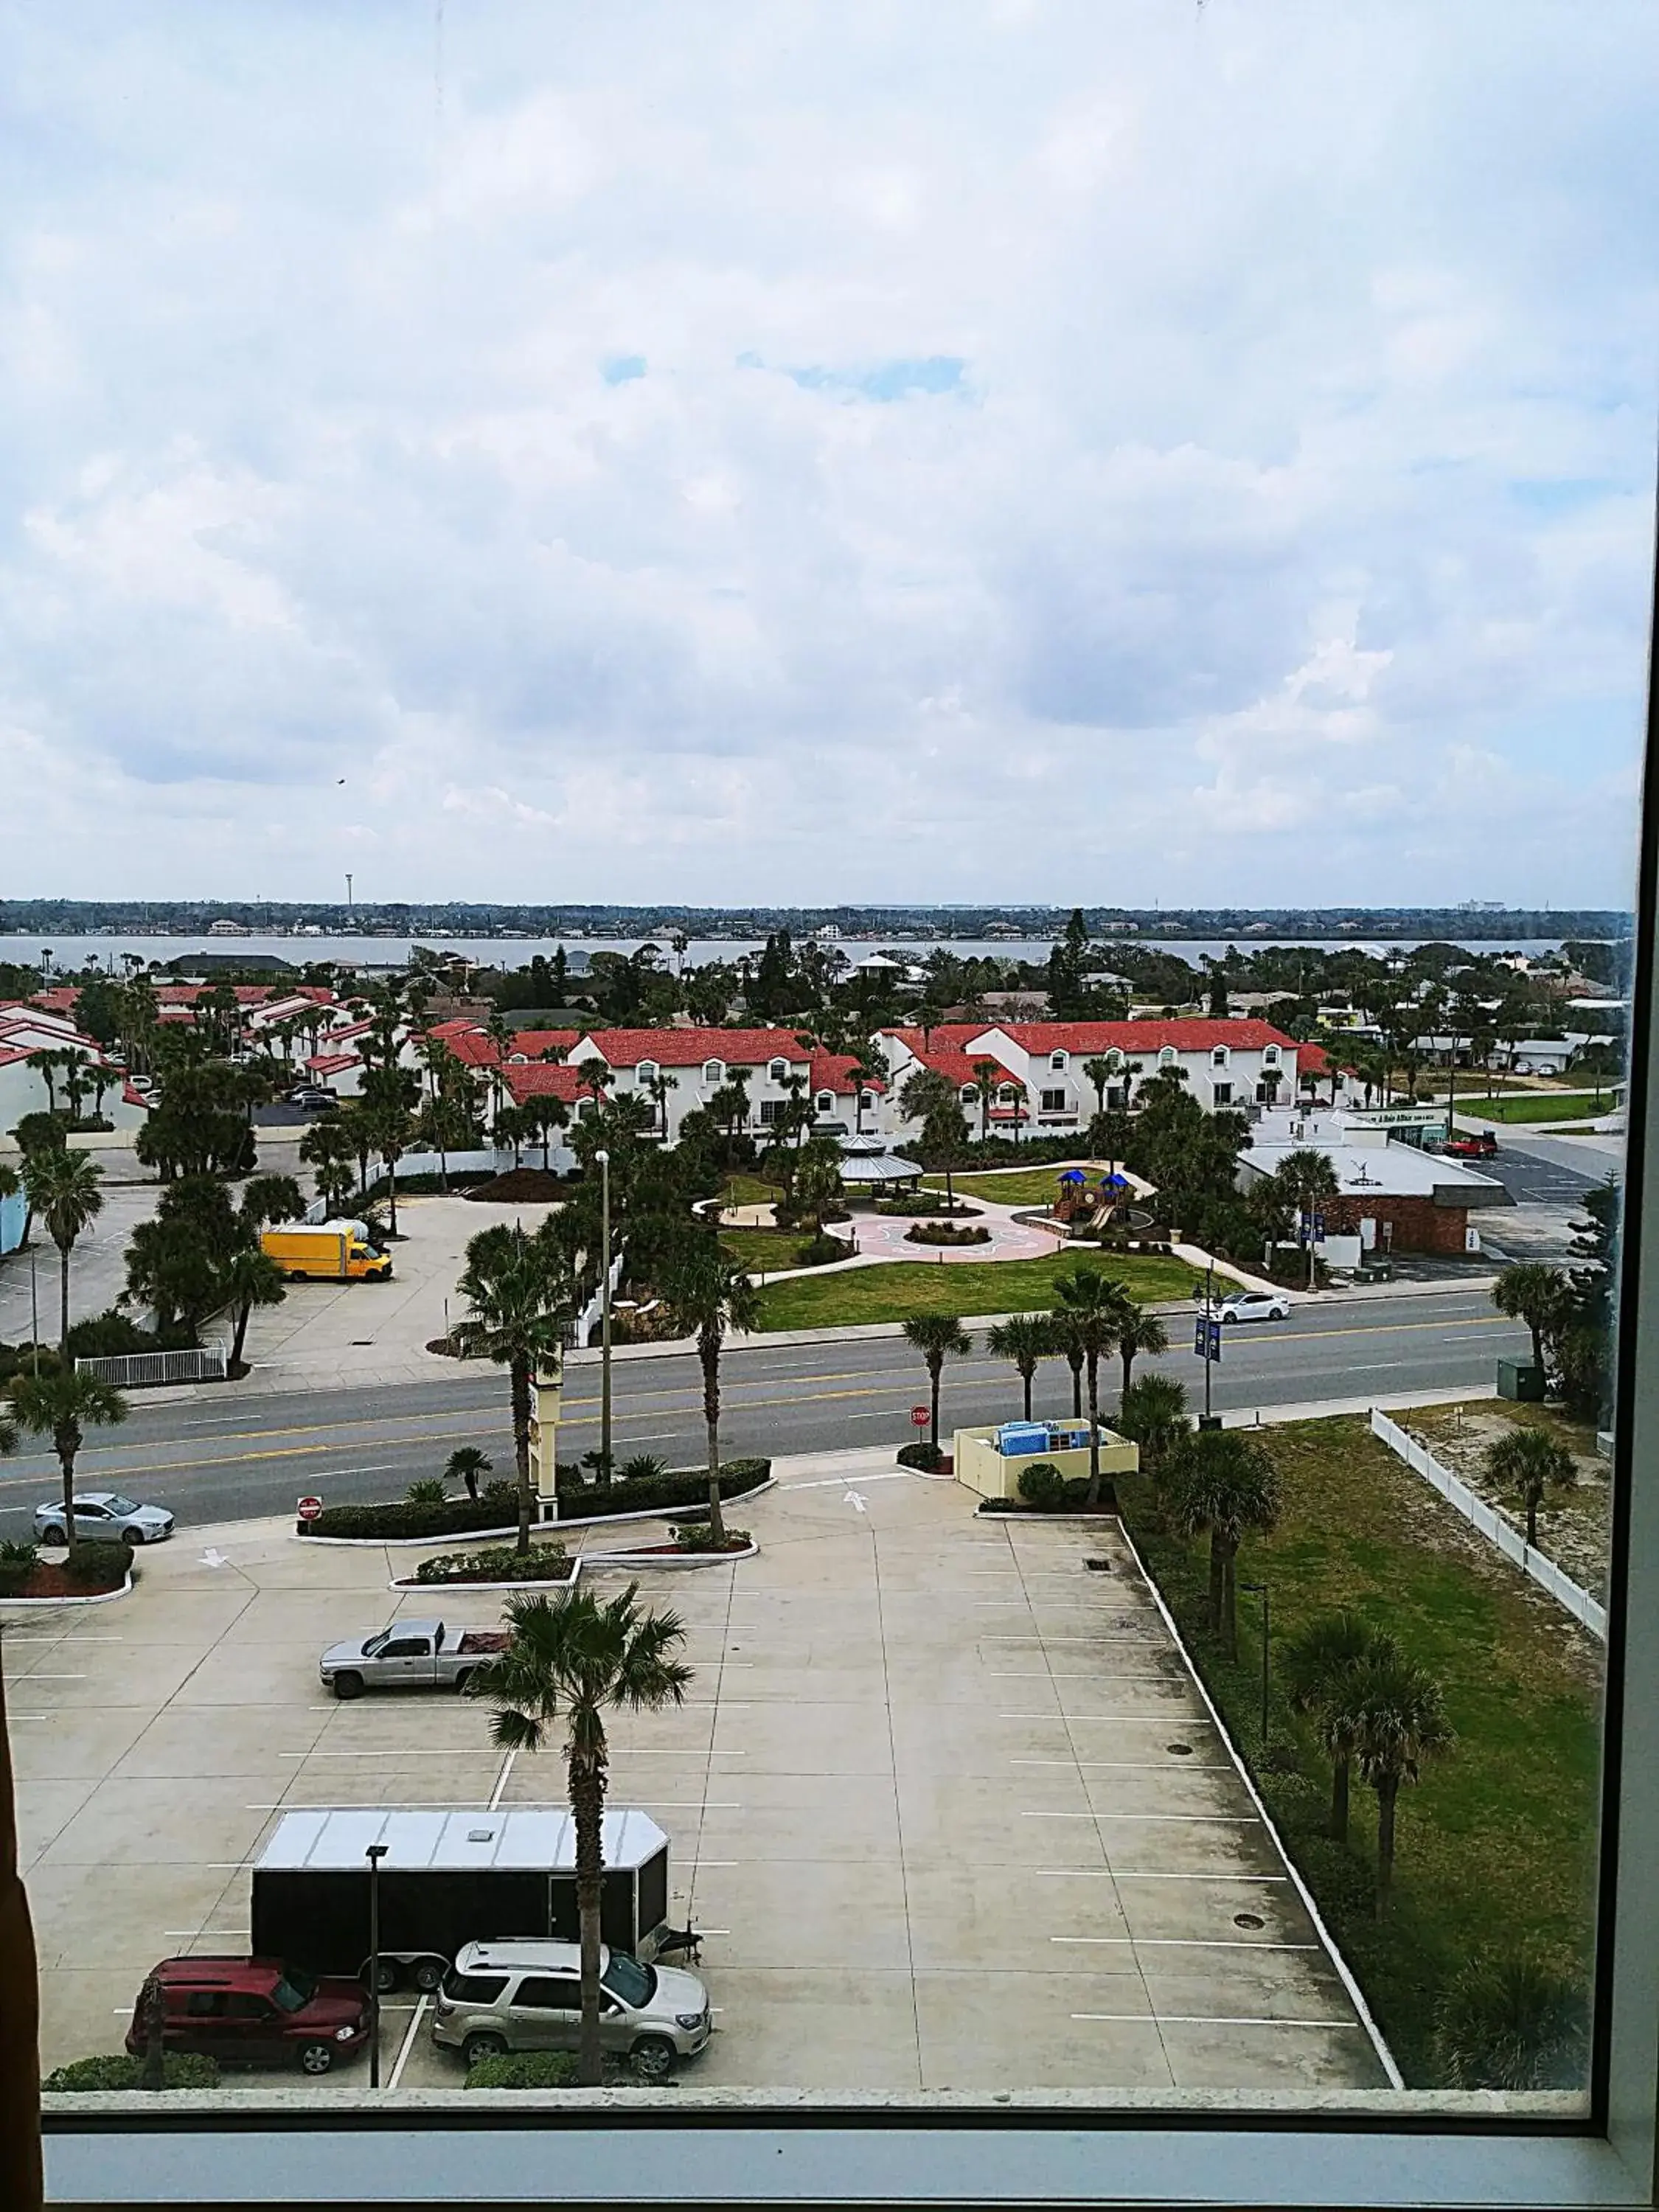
pixel 309 1508
pixel 919 1417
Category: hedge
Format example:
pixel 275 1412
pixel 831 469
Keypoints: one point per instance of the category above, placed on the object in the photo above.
pixel 180 2070
pixel 924 1456
pixel 542 1563
pixel 526 2069
pixel 499 1505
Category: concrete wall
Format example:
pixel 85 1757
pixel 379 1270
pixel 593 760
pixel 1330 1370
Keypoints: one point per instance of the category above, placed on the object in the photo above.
pixel 980 1467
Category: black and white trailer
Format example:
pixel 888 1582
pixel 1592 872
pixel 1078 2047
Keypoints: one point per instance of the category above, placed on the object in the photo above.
pixel 446 1879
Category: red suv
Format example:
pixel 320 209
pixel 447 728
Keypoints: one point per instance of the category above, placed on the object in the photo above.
pixel 256 2012
pixel 1479 1147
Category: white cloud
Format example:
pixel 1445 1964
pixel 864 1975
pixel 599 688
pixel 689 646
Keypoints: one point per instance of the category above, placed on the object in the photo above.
pixel 1287 520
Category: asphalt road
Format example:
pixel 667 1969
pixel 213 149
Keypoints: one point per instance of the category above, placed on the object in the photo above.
pixel 219 1457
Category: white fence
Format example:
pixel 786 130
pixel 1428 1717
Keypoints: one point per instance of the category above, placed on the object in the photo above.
pixel 1492 1526
pixel 138 1370
pixel 588 1319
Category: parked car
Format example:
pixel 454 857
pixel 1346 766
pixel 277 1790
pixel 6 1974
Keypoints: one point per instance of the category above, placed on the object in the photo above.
pixel 410 1655
pixel 256 2012
pixel 1480 1146
pixel 1255 1305
pixel 526 1996
pixel 314 1099
pixel 104 1515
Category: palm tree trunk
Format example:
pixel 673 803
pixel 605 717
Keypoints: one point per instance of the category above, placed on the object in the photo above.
pixel 1532 1521
pixel 587 1810
pixel 63 1304
pixel 1217 1579
pixel 1128 1370
pixel 935 1370
pixel 1229 1602
pixel 1026 1374
pixel 708 1351
pixel 392 1160
pixel 239 1334
pixel 1076 1366
pixel 1387 1791
pixel 1537 1344
pixel 1094 1430
pixel 21 2179
pixel 520 1375
pixel 1342 1770
pixel 66 1461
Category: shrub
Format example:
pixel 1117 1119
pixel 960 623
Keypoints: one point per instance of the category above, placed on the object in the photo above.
pixel 542 1563
pixel 180 2070
pixel 644 1466
pixel 428 1491
pixel 499 1504
pixel 1044 1485
pixel 820 1251
pixel 945 1232
pixel 108 1336
pixel 18 1552
pixel 688 1487
pixel 95 1566
pixel 694 1536
pixel 526 2069
pixel 925 1456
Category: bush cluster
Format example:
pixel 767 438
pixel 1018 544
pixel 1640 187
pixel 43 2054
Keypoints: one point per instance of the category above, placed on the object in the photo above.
pixel 906 1203
pixel 1044 1485
pixel 101 1336
pixel 924 1456
pixel 495 1508
pixel 819 1251
pixel 945 1232
pixel 687 1487
pixel 95 1566
pixel 542 1563
pixel 694 1536
pixel 526 2069
pixel 180 2070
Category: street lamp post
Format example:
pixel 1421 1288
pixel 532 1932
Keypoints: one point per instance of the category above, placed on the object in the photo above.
pixel 374 1854
pixel 1261 1590
pixel 604 1159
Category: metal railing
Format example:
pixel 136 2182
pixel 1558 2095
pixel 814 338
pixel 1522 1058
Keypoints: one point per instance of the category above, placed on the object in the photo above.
pixel 139 1370
pixel 1492 1526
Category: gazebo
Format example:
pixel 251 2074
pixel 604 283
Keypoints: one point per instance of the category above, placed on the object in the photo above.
pixel 868 1169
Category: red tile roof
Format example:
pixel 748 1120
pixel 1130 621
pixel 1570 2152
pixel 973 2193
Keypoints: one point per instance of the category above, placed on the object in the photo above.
pixel 1312 1059
pixel 833 1071
pixel 332 1063
pixel 690 1048
pixel 943 1053
pixel 473 1049
pixel 542 1078
pixel 1199 1035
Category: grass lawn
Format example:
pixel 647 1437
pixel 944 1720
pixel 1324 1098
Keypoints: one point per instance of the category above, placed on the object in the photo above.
pixel 765 1250
pixel 895 1290
pixel 1496 1842
pixel 1008 1186
pixel 1542 1105
pixel 749 1190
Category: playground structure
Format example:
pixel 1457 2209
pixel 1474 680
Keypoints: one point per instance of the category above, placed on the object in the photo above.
pixel 1091 1199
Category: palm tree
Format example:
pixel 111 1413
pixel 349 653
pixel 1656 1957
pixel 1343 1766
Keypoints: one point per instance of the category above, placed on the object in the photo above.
pixel 521 1297
pixel 1097 1309
pixel 1318 1669
pixel 1069 1345
pixel 1100 1072
pixel 63 1191
pixel 63 1406
pixel 1224 1482
pixel 711 1293
pixel 988 1074
pixel 575 1659
pixel 1141 1331
pixel 251 1278
pixel 1538 1295
pixel 464 1465
pixel 1306 1179
pixel 1400 1720
pixel 1512 2022
pixel 936 1337
pixel 1153 1414
pixel 1023 1339
pixel 1530 1463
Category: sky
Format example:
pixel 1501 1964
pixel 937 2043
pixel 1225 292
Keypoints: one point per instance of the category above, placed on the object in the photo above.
pixel 757 450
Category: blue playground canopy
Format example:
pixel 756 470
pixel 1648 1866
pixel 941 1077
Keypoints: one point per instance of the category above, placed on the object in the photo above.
pixel 1073 1175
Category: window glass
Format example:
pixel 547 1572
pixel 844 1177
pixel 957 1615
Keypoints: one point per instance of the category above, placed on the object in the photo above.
pixel 549 1993
pixel 473 1989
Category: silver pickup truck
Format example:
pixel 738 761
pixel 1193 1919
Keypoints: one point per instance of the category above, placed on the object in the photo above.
pixel 410 1655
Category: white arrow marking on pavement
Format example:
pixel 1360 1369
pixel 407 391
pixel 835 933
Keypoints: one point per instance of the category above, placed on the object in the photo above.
pixel 852 1498
pixel 211 1559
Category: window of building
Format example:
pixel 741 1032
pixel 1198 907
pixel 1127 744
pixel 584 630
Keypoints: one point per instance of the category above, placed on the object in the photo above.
pixel 1270 1055
pixel 1053 1102
pixel 1167 1055
pixel 969 1093
pixel 771 1112
pixel 1057 1063
pixel 646 1072
pixel 1221 1093
pixel 826 1102
pixel 1218 1057
pixel 778 1071
pixel 713 1074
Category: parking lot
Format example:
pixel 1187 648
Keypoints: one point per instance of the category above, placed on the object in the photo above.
pixel 946 1802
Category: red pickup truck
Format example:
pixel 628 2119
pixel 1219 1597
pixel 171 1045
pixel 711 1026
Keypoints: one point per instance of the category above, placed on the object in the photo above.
pixel 1479 1147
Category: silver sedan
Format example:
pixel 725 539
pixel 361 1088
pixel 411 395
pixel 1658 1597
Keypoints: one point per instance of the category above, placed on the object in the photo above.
pixel 103 1514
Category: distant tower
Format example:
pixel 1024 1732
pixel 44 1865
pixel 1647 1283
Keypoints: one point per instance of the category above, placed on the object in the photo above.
pixel 348 894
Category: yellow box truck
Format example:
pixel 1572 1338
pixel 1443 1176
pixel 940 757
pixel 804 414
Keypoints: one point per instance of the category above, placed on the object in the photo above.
pixel 334 1252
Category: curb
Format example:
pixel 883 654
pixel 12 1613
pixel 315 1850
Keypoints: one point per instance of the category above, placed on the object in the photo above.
pixel 640 1561
pixel 98 1597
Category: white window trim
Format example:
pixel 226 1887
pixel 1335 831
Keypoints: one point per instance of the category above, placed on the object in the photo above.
pixel 713 1074
pixel 776 1069
pixel 972 2152
pixel 1058 1063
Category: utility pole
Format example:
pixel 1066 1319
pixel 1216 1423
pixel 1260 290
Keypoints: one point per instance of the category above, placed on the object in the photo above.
pixel 374 1854
pixel 604 1159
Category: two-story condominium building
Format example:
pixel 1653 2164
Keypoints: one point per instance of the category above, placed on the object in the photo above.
pixel 1046 1085
pixel 678 1071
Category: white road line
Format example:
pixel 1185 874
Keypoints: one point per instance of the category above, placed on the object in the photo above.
pixel 1127 1765
pixel 1080 1674
pixel 34 1675
pixel 1162 1819
pixel 205 1934
pixel 1210 2020
pixel 408 2043
pixel 716 1862
pixel 1125 1873
pixel 501 1784
pixel 1186 1942
pixel 1067 1717
pixel 461 1751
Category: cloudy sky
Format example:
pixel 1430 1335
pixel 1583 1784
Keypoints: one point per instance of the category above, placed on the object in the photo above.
pixel 751 449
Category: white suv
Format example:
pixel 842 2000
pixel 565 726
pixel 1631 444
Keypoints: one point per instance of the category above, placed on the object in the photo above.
pixel 525 1995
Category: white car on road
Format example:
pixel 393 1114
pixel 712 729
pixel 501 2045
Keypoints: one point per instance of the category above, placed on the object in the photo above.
pixel 1255 1305
pixel 106 1514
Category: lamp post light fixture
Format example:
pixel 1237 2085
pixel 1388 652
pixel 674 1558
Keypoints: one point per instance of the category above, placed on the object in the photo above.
pixel 604 1159
pixel 374 1854
pixel 1261 1590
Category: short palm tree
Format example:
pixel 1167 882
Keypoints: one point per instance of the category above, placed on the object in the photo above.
pixel 1306 1180
pixel 1400 1721
pixel 1141 1331
pixel 710 1292
pixel 466 1464
pixel 1318 1667
pixel 1023 1339
pixel 1512 2022
pixel 1100 1072
pixel 1529 1462
pixel 936 1337
pixel 521 1297
pixel 1153 1414
pixel 64 1192
pixel 1225 1483
pixel 1096 1310
pixel 251 1278
pixel 1536 1294
pixel 63 1406
pixel 575 1660
pixel 1068 1343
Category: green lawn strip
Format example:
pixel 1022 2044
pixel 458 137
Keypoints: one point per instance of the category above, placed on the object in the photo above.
pixel 1497 1843
pixel 895 1290
pixel 749 1190
pixel 1007 1187
pixel 1541 1106
pixel 765 1250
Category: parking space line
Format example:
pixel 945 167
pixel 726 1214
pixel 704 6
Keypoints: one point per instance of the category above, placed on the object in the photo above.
pixel 1128 1873
pixel 1126 1765
pixel 408 2043
pixel 460 1751
pixel 1208 2019
pixel 501 1780
pixel 1069 1717
pixel 1162 1819
pixel 1187 1943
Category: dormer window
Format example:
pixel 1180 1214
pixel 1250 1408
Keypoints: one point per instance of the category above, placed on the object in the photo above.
pixel 1057 1063
pixel 969 1093
pixel 867 1099
pixel 518 1060
pixel 826 1102
pixel 714 1073
pixel 1218 1057
pixel 1115 1059
pixel 1166 1056
pixel 648 1070
pixel 1270 1055
pixel 777 1071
